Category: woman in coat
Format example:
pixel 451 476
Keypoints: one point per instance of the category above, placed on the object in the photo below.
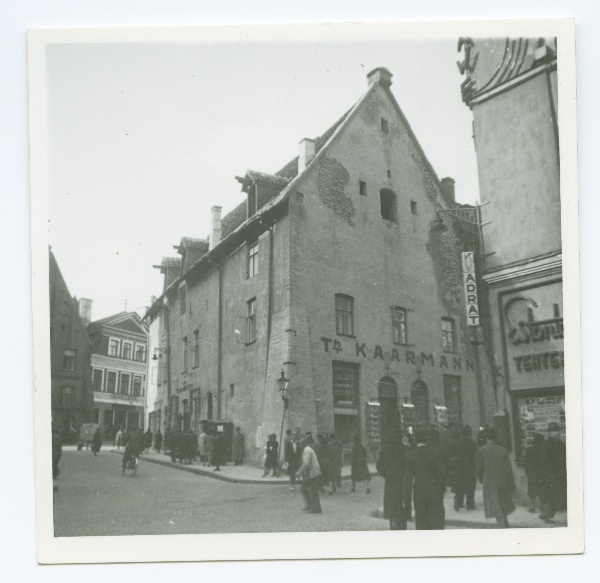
pixel 238 447
pixel 359 468
pixel 390 466
pixel 534 470
pixel 495 472
pixel 96 441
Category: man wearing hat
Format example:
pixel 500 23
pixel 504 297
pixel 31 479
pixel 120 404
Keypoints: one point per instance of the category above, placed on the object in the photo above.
pixel 426 476
pixel 390 466
pixel 462 459
pixel 271 458
pixel 554 474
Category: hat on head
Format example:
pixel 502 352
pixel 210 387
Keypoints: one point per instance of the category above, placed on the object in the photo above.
pixel 273 435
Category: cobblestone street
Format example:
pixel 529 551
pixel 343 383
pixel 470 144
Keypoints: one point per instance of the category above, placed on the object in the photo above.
pixel 93 498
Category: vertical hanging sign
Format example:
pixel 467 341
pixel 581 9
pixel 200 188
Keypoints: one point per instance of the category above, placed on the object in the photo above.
pixel 470 287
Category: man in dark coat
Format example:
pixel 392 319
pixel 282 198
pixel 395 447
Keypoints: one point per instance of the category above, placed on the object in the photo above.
pixel 462 462
pixel 534 470
pixel 426 477
pixel 390 466
pixel 158 440
pixel 554 474
pixel 148 440
pixel 495 472
pixel 218 451
pixel 238 447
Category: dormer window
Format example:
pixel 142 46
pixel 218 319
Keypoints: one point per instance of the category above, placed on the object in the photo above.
pixel 385 126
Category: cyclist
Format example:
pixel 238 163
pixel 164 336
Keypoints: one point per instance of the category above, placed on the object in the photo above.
pixel 134 446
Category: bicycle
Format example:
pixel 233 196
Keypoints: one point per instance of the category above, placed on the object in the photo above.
pixel 130 468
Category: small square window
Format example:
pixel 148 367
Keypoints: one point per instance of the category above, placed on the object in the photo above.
pixel 362 187
pixel 385 126
pixel 413 207
pixel 389 173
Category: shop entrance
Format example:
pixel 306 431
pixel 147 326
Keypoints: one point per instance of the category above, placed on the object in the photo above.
pixel 387 392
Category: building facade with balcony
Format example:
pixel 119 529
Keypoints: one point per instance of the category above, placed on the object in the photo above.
pixel 119 372
pixel 70 356
pixel 339 271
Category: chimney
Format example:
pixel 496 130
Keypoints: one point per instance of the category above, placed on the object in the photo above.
pixel 307 153
pixel 85 311
pixel 447 185
pixel 380 75
pixel 215 230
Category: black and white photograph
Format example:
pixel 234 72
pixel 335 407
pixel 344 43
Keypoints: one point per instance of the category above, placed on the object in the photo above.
pixel 310 278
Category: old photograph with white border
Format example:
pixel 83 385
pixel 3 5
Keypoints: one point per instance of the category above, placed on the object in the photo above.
pixel 299 287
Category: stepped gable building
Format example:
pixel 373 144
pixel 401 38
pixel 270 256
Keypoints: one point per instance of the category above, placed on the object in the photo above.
pixel 512 89
pixel 70 354
pixel 340 271
pixel 119 370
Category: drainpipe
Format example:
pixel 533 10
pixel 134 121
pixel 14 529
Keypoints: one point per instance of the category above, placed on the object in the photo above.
pixel 270 287
pixel 219 338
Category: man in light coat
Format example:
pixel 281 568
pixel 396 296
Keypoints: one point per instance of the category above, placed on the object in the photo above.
pixel 310 472
pixel 495 473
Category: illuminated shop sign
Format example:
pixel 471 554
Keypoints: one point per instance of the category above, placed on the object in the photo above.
pixel 533 336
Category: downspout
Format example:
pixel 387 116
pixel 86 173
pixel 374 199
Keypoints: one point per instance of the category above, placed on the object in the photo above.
pixel 553 115
pixel 168 352
pixel 270 288
pixel 219 338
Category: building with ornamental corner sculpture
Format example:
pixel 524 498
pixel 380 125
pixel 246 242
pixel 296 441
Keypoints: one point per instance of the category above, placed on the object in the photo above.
pixel 343 269
pixel 511 86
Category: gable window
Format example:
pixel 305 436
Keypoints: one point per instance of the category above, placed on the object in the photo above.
pixel 127 350
pixel 388 204
pixel 344 315
pixel 389 173
pixel 113 347
pixel 182 299
pixel 252 259
pixel 448 335
pixel 111 381
pixel 399 325
pixel 69 360
pixel 385 126
pixel 251 320
pixel 124 383
pixel 140 353
pixel 413 207
pixel 185 354
pixel 362 187
pixel 97 379
pixel 196 348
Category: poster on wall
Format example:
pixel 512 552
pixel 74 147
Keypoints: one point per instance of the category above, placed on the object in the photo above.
pixel 535 416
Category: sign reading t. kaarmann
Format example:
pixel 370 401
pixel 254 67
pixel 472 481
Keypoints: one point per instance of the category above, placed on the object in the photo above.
pixel 470 286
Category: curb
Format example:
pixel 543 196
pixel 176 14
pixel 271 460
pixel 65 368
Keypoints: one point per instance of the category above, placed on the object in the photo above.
pixel 216 476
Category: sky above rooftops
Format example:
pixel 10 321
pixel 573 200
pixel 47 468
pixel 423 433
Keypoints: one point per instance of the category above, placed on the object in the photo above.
pixel 145 138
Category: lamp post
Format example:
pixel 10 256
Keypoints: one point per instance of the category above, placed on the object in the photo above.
pixel 282 385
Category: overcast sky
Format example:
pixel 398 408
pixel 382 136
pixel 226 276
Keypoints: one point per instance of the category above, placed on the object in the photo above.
pixel 145 138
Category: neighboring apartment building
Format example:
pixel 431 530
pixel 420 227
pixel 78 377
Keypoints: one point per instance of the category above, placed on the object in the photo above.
pixel 70 354
pixel 338 271
pixel 119 369
pixel 511 87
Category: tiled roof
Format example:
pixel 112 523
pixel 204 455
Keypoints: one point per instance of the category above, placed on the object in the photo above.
pixel 190 243
pixel 108 319
pixel 276 181
pixel 231 221
pixel 170 262
pixel 290 170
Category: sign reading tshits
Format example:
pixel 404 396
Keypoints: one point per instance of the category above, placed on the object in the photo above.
pixel 534 332
pixel 470 286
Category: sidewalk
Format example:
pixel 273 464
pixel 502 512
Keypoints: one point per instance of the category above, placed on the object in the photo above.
pixel 520 518
pixel 229 473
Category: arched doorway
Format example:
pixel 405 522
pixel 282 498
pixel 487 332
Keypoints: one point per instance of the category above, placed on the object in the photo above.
pixel 387 392
pixel 419 396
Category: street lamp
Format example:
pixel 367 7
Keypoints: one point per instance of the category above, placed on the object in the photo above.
pixel 282 385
